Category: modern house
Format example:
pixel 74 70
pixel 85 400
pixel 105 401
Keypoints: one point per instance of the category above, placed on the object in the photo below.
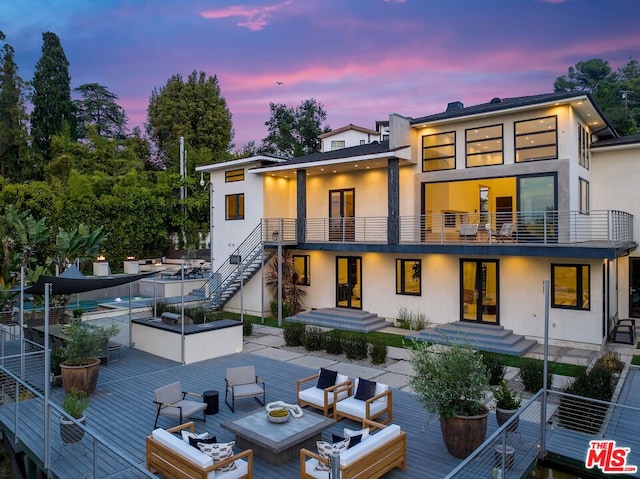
pixel 461 215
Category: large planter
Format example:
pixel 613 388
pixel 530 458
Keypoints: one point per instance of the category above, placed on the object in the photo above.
pixel 503 415
pixel 83 378
pixel 463 434
pixel 70 432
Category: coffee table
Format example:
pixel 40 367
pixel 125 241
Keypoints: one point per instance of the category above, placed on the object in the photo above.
pixel 277 443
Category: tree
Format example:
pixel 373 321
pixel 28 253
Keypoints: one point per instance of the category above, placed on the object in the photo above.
pixel 195 110
pixel 13 118
pixel 97 107
pixel 51 99
pixel 295 131
pixel 585 76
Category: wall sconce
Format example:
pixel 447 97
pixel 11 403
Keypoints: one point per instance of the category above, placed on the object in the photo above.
pixel 275 235
pixel 129 258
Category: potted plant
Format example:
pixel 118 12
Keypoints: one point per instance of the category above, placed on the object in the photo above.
pixel 507 404
pixel 74 405
pixel 57 356
pixel 82 350
pixel 451 381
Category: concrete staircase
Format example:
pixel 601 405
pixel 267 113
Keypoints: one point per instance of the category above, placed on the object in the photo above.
pixel 486 337
pixel 341 318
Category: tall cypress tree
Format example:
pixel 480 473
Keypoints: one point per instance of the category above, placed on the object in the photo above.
pixel 52 105
pixel 13 118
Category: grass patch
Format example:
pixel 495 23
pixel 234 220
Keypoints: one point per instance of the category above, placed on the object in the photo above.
pixel 635 360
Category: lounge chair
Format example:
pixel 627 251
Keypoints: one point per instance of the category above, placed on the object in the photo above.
pixel 171 400
pixel 242 382
pixel 367 400
pixel 506 232
pixel 320 395
pixel 468 231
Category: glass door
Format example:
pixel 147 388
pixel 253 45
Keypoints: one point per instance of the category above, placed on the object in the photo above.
pixel 349 282
pixel 634 287
pixel 479 291
pixel 342 215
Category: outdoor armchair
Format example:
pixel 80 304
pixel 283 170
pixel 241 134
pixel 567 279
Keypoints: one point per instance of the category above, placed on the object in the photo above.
pixel 367 400
pixel 242 382
pixel 320 395
pixel 171 400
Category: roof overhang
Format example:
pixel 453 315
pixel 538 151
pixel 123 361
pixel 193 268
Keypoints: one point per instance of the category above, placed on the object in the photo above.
pixel 240 162
pixel 340 165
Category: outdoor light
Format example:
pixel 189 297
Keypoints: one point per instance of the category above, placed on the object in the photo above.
pixel 131 257
pixel 101 258
pixel 275 235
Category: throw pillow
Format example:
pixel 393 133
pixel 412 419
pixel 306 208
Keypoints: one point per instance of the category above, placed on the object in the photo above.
pixel 327 378
pixel 353 440
pixel 219 452
pixel 366 389
pixel 326 450
pixel 194 439
pixel 363 433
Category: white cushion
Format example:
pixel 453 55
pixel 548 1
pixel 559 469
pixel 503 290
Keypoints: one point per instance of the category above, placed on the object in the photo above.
pixel 365 446
pixel 310 469
pixel 242 468
pixel 178 445
pixel 314 395
pixel 356 407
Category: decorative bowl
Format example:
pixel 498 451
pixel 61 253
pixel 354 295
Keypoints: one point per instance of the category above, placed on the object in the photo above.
pixel 278 416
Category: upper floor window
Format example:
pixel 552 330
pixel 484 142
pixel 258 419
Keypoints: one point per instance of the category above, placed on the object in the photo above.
pixel 439 151
pixel 484 146
pixel 584 196
pixel 536 139
pixel 570 286
pixel 302 264
pixel 234 206
pixel 234 175
pixel 584 147
pixel 337 144
pixel 408 276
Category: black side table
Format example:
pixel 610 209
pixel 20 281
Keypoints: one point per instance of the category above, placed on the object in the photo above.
pixel 211 400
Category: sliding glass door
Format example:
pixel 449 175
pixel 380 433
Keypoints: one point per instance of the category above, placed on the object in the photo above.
pixel 479 291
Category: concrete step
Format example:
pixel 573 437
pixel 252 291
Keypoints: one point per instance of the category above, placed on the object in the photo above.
pixel 341 318
pixel 481 336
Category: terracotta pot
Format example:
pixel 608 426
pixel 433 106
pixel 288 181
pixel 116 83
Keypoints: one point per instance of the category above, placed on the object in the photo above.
pixel 70 432
pixel 463 434
pixel 83 378
pixel 503 415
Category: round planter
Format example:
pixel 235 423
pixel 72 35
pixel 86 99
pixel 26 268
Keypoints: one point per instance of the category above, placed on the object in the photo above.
pixel 278 419
pixel 83 378
pixel 503 415
pixel 463 434
pixel 70 432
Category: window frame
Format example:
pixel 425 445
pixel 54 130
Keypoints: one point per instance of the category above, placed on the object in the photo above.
pixel 307 269
pixel 335 144
pixel 232 176
pixel 533 133
pixel 439 145
pixel 238 214
pixel 584 146
pixel 401 269
pixel 580 281
pixel 583 196
pixel 468 143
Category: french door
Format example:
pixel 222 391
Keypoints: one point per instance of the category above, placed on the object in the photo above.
pixel 634 287
pixel 342 215
pixel 349 282
pixel 479 298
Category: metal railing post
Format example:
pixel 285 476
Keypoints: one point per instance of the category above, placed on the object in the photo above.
pixel 545 369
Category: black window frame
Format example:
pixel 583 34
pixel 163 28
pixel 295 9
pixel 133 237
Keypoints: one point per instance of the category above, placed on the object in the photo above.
pixel 436 147
pixel 232 176
pixel 468 143
pixel 583 196
pixel 533 133
pixel 237 214
pixel 584 146
pixel 306 276
pixel 401 268
pixel 580 293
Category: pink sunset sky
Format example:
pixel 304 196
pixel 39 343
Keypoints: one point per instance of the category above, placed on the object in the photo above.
pixel 361 59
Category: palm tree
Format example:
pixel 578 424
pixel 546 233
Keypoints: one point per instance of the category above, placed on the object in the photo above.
pixel 292 293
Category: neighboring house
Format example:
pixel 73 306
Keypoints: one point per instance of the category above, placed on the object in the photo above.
pixel 461 215
pixel 350 135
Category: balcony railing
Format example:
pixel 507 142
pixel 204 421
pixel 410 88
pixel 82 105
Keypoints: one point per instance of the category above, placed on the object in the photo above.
pixel 595 228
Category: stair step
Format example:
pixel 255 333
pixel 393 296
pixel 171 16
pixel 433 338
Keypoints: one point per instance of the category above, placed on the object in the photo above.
pixel 341 318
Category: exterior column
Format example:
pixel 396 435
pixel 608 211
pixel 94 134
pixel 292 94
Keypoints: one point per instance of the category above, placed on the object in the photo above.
pixel 301 205
pixel 393 187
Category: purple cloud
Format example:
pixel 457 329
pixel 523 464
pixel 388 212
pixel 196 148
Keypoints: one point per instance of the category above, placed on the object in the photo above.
pixel 255 18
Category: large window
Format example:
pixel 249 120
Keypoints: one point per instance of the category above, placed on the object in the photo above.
pixel 337 144
pixel 584 147
pixel 570 286
pixel 234 206
pixel 409 276
pixel 301 264
pixel 536 139
pixel 234 175
pixel 439 151
pixel 584 196
pixel 484 146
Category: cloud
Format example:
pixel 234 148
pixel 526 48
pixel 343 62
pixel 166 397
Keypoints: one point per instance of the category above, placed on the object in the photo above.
pixel 255 18
pixel 552 1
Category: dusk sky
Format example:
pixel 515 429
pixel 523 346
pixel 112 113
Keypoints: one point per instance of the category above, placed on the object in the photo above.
pixel 361 59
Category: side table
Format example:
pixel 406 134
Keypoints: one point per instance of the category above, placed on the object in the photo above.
pixel 211 399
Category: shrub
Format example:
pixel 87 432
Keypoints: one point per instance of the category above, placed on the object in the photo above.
pixel 506 398
pixel 287 309
pixel 532 374
pixel 333 342
pixel 495 367
pixel 247 328
pixel 293 333
pixel 409 320
pixel 312 339
pixel 378 352
pixel 75 403
pixel 356 347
